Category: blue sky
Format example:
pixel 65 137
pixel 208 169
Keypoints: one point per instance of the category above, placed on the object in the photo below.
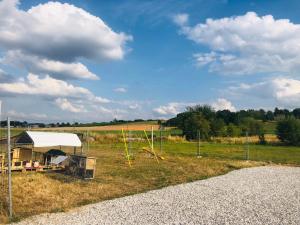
pixel 153 58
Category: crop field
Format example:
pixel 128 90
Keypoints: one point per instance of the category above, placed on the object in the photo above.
pixel 35 193
pixel 129 126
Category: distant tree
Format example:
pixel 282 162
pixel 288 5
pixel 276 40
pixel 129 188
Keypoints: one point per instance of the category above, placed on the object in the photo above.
pixel 233 130
pixel 296 113
pixel 227 116
pixel 193 124
pixel 269 116
pixel 252 126
pixel 217 127
pixel 288 131
pixel 207 111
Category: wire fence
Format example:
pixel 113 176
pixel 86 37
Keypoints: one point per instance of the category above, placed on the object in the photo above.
pixel 127 147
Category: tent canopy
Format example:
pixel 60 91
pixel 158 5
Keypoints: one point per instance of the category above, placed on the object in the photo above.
pixel 49 139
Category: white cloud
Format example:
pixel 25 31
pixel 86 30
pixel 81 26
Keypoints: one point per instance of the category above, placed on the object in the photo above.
pixel 14 115
pixel 247 44
pixel 49 87
pixel 120 89
pixel 56 35
pixel 57 69
pixel 66 105
pixel 171 109
pixel 181 19
pixel 222 104
pixel 134 106
pixel 285 91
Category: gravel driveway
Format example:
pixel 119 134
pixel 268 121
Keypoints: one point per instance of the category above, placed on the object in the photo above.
pixel 261 195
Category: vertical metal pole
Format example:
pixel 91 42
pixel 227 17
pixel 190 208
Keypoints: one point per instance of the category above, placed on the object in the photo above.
pixel 129 143
pixel 160 134
pixel 88 142
pixel 152 138
pixel 199 140
pixel 9 169
pixel 247 140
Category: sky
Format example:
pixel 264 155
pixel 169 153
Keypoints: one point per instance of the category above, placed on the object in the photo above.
pixel 92 61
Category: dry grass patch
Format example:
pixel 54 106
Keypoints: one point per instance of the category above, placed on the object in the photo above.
pixel 35 193
pixel 270 138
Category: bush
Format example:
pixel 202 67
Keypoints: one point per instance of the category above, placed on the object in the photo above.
pixel 288 131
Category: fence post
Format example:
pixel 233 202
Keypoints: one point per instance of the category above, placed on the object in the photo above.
pixel 152 138
pixel 247 146
pixel 9 169
pixel 129 144
pixel 160 134
pixel 198 146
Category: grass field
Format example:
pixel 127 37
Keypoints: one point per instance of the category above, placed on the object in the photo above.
pixel 35 193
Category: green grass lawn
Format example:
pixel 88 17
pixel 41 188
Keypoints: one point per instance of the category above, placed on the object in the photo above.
pixel 266 153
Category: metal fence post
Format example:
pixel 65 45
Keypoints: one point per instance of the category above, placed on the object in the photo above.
pixel 9 169
pixel 198 146
pixel 160 134
pixel 152 138
pixel 129 144
pixel 247 143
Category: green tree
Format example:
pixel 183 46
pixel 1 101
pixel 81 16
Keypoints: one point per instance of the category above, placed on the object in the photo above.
pixel 233 131
pixel 288 131
pixel 193 124
pixel 217 127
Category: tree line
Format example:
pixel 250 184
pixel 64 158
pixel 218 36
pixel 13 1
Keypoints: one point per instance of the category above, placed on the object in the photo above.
pixel 203 120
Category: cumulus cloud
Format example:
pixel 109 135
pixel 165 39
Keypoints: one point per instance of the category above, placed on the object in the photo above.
pixel 49 87
pixel 222 104
pixel 246 44
pixel 171 109
pixel 285 91
pixel 57 69
pixel 66 105
pixel 56 35
pixel 120 89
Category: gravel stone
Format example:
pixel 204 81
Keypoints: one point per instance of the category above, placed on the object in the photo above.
pixel 261 195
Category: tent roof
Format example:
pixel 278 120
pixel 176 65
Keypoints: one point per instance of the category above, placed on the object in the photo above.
pixel 49 139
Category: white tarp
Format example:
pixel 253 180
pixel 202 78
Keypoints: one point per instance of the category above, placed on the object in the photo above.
pixel 59 159
pixel 50 139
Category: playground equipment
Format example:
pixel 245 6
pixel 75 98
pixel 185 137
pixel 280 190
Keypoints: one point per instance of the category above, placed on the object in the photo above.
pixel 148 149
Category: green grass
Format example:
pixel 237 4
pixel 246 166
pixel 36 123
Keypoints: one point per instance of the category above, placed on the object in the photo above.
pixel 265 153
pixel 13 132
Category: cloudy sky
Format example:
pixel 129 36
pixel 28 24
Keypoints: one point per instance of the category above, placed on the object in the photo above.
pixel 94 60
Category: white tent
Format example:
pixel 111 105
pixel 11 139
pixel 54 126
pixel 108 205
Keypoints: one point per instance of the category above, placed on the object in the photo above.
pixel 49 139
